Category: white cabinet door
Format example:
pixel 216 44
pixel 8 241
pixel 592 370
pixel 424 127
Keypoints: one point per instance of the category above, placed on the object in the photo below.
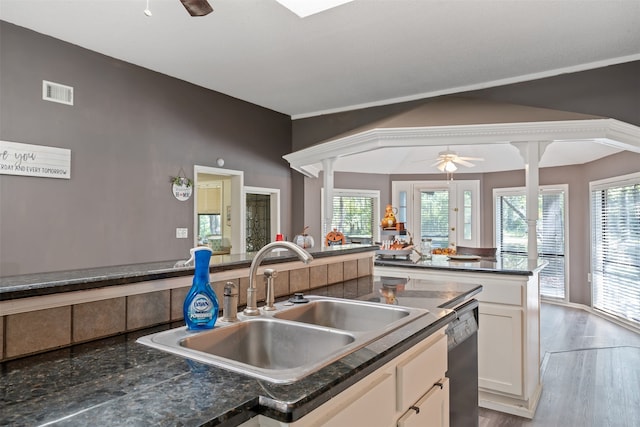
pixel 500 348
pixel 432 410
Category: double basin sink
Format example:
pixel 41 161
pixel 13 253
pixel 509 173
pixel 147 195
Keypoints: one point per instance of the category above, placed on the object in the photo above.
pixel 289 343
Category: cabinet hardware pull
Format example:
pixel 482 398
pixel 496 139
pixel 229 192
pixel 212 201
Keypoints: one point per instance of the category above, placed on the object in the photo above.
pixel 415 408
pixel 440 384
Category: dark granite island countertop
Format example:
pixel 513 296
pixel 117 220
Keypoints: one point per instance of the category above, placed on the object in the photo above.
pixel 29 285
pixel 118 382
pixel 502 264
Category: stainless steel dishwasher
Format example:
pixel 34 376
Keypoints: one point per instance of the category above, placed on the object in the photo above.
pixel 462 358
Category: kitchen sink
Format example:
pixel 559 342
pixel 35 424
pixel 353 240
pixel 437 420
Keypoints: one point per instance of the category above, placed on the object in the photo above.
pixel 346 314
pixel 287 345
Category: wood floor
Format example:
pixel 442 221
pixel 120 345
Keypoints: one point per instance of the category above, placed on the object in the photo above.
pixel 590 374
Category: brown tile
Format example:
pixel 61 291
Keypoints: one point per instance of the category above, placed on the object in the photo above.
pixel 335 273
pixel 37 330
pixel 244 285
pixel 282 284
pixel 350 269
pixel 98 319
pixel 148 309
pixel 364 267
pixel 178 296
pixel 317 276
pixel 1 337
pixel 299 279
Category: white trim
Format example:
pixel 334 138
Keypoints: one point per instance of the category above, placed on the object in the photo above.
pixel 477 86
pixel 238 207
pixel 603 184
pixel 610 132
pixel 374 194
pixel 520 191
pixel 614 181
pixel 274 197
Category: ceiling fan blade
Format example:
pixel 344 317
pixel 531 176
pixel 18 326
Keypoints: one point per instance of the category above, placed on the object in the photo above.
pixel 197 7
pixel 477 159
pixel 437 162
pixel 463 162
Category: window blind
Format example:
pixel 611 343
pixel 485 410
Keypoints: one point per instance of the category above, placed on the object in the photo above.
pixel 353 216
pixel 434 217
pixel 512 235
pixel 615 263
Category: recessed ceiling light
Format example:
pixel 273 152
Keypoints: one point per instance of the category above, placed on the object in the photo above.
pixel 304 8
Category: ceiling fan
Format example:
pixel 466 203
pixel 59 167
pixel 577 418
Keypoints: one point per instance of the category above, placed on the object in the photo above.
pixel 447 161
pixel 197 7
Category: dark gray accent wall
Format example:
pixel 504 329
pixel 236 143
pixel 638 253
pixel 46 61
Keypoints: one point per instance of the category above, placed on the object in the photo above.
pixel 612 91
pixel 129 131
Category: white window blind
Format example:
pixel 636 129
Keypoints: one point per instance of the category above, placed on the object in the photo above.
pixel 615 234
pixel 353 215
pixel 434 217
pixel 511 234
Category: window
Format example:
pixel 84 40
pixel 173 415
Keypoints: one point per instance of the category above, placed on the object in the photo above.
pixel 355 214
pixel 615 246
pixel 434 217
pixel 447 212
pixel 511 233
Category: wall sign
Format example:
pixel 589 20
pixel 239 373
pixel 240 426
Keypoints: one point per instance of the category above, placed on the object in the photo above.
pixel 17 158
pixel 182 192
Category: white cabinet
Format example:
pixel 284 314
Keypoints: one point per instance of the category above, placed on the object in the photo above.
pixel 432 410
pixel 415 379
pixel 500 348
pixel 508 335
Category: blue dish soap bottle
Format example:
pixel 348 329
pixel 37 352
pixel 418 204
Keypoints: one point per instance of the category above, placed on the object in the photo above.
pixel 201 305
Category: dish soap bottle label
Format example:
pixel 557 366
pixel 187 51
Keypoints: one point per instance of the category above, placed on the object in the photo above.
pixel 200 308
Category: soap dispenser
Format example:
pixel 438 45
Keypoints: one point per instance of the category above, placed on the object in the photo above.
pixel 201 305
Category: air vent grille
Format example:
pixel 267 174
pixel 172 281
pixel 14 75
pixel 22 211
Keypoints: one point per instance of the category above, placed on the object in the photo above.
pixel 56 92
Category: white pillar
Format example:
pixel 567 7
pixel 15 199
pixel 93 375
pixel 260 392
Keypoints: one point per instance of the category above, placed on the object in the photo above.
pixel 327 177
pixel 531 152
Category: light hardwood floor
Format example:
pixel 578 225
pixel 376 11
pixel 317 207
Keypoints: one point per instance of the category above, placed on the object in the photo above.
pixel 590 373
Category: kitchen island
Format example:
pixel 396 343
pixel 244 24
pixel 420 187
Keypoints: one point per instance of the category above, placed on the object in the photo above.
pixel 509 335
pixel 115 381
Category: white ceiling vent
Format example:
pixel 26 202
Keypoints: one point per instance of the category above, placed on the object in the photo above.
pixel 56 92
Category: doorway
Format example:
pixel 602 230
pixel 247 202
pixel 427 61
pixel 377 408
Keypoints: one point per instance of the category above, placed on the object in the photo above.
pixel 219 209
pixel 262 216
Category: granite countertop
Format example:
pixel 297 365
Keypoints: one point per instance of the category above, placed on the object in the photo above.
pixel 118 382
pixel 502 264
pixel 28 285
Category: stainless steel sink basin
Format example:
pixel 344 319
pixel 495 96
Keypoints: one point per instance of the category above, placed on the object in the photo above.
pixel 345 314
pixel 290 343
pixel 268 344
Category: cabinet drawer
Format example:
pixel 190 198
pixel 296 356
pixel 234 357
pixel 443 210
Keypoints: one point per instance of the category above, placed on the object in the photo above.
pixel 501 293
pixel 432 410
pixel 420 371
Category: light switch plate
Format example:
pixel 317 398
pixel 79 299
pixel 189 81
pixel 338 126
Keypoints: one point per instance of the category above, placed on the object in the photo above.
pixel 182 233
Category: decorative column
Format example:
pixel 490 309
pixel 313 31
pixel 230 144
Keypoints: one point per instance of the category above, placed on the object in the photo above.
pixel 531 152
pixel 327 178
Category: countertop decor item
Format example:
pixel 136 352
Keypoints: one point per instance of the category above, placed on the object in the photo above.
pixel 303 239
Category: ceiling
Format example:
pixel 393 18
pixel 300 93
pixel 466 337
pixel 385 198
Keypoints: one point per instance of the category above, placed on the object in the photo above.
pixel 363 53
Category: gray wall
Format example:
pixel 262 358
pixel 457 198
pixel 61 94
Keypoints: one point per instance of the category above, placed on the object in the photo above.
pixel 129 131
pixel 609 91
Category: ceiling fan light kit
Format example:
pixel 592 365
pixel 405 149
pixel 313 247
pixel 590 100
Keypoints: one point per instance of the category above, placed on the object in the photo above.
pixel 197 7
